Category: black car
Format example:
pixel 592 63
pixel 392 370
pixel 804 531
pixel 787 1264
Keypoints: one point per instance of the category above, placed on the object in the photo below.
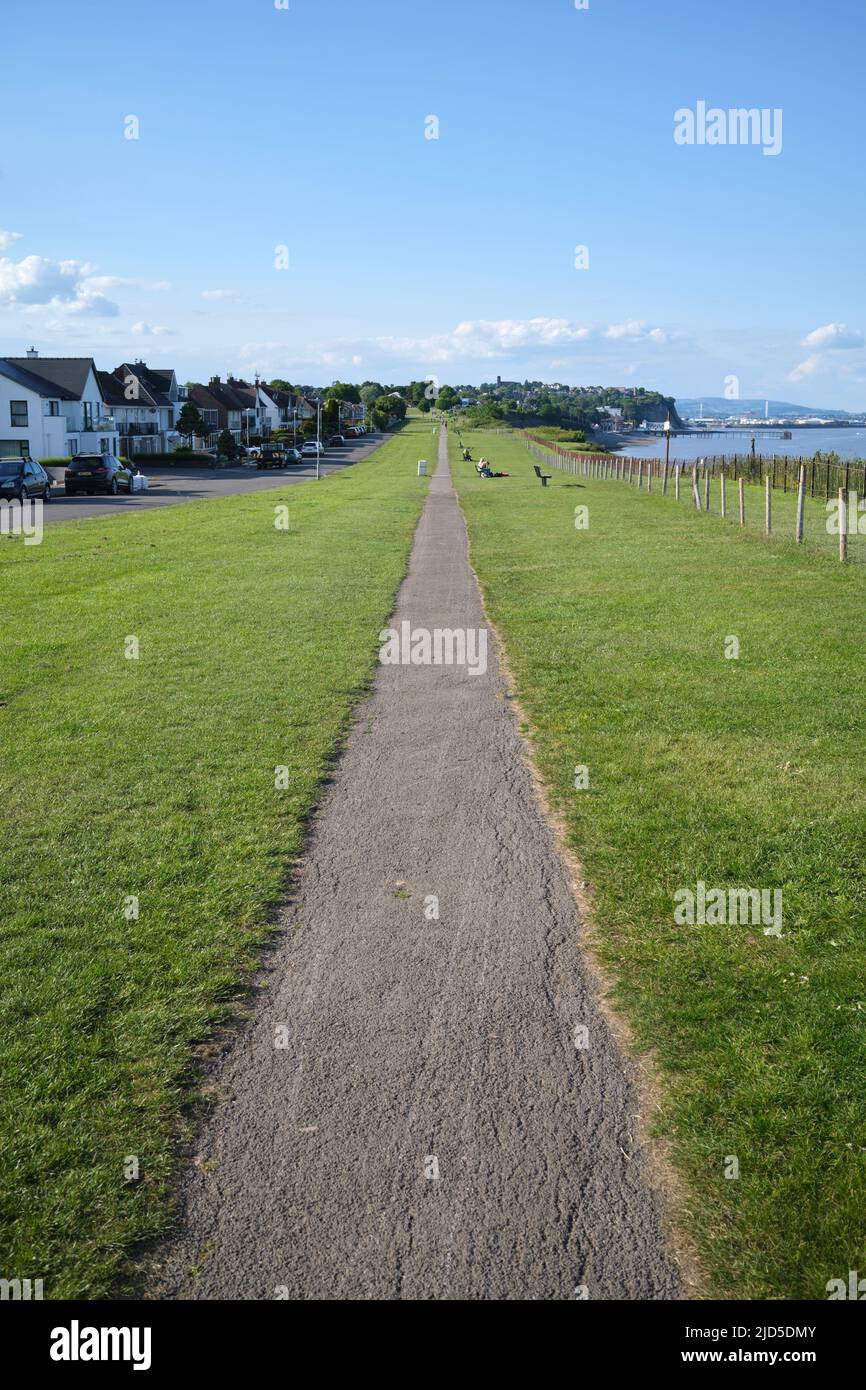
pixel 98 473
pixel 271 458
pixel 23 479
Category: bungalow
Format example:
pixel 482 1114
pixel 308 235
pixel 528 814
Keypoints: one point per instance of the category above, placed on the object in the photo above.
pixel 51 407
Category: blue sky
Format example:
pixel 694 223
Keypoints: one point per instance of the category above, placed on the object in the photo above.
pixel 304 127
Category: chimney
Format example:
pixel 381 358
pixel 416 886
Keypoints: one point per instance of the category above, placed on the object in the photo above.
pixel 31 352
pixel 214 381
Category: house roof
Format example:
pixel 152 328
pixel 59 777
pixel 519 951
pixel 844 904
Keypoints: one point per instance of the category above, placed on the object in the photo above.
pixel 65 374
pixel 113 392
pixel 153 385
pixel 30 382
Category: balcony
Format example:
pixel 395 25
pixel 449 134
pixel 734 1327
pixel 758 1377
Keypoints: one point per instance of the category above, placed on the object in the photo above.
pixel 146 427
pixel 96 424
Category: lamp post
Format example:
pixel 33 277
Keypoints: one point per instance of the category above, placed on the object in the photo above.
pixel 318 434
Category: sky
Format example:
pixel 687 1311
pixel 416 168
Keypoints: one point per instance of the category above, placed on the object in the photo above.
pixel 327 189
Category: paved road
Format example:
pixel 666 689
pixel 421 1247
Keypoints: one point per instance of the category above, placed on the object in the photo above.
pixel 428 1130
pixel 170 485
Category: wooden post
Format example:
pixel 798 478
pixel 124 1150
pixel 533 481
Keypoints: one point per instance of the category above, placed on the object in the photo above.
pixel 724 494
pixel 742 486
pixel 640 474
pixel 801 503
pixel 768 506
pixel 696 491
pixel 630 470
pixel 665 480
pixel 649 474
pixel 843 525
pixel 677 481
pixel 706 487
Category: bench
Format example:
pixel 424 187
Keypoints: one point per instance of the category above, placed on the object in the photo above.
pixel 545 477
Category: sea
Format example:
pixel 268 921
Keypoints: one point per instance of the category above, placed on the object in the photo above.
pixel 847 443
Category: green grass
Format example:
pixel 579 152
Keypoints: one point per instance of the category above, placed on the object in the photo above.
pixel 155 778
pixel 740 773
pixel 783 510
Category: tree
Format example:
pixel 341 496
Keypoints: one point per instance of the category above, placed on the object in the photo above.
pixel 343 391
pixel 371 391
pixel 190 422
pixel 226 446
pixel 279 385
pixel 447 398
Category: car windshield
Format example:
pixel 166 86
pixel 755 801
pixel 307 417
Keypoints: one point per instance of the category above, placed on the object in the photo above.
pixel 93 462
pixel 10 468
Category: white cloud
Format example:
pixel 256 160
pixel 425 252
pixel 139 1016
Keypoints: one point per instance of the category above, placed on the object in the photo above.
pixel 834 335
pixel 807 368
pixel 149 330
pixel 61 285
pixel 7 238
pixel 220 294
pixel 635 331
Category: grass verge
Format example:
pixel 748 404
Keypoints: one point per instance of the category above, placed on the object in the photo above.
pixel 153 779
pixel 735 772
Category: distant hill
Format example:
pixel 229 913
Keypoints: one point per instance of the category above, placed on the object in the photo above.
pixel 719 407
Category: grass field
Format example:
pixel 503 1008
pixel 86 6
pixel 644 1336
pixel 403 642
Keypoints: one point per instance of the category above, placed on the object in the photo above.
pixel 154 778
pixel 783 509
pixel 740 772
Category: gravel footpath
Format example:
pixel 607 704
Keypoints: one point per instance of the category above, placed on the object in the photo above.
pixel 408 1115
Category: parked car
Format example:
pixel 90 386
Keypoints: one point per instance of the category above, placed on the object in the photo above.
pixel 337 440
pixel 312 448
pixel 270 458
pixel 98 473
pixel 24 479
pixel 293 456
pixel 351 432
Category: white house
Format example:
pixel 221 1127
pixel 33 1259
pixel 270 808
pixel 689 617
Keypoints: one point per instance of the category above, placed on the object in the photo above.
pixel 51 407
pixel 144 402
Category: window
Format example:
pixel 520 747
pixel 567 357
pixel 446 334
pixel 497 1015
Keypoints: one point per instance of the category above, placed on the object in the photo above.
pixel 18 411
pixel 88 415
pixel 52 407
pixel 15 448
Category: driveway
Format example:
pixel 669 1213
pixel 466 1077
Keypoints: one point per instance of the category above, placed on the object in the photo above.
pixel 170 485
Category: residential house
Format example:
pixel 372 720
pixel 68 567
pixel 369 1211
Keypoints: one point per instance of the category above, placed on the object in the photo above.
pixel 51 407
pixel 145 402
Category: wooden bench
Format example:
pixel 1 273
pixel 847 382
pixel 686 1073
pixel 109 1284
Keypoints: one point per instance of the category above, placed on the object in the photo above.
pixel 545 477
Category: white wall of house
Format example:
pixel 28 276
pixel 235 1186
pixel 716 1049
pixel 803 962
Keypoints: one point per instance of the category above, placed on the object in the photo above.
pixel 89 428
pixel 29 432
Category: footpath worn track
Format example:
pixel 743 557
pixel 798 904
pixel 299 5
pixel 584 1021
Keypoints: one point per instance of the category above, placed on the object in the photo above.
pixel 429 1129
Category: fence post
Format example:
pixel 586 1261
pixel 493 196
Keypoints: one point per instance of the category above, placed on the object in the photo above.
pixel 649 475
pixel 707 487
pixel 768 507
pixel 722 486
pixel 843 525
pixel 742 486
pixel 640 474
pixel 677 482
pixel 801 502
pixel 696 491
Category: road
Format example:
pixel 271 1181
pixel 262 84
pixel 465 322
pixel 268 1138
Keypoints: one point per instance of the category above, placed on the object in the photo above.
pixel 409 1115
pixel 170 485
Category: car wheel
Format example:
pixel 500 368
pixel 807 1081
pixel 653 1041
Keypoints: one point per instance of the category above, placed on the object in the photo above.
pixel 129 487
pixel 113 487
pixel 46 496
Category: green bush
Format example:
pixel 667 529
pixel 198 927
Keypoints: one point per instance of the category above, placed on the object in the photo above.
pixel 177 456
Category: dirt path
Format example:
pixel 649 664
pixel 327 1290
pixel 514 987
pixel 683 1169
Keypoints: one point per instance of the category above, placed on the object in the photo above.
pixel 417 1047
